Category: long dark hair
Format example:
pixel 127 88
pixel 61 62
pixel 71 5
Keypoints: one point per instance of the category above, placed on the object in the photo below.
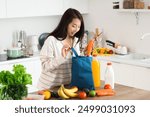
pixel 61 30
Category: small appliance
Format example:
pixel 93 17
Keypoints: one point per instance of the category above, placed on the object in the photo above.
pixel 33 44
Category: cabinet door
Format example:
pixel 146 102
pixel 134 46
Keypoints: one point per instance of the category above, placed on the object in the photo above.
pixel 4 67
pixel 2 8
pixel 27 8
pixel 141 78
pixel 102 69
pixel 81 5
pixel 33 67
pixel 123 74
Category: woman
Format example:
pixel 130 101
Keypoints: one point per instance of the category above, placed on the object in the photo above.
pixel 56 55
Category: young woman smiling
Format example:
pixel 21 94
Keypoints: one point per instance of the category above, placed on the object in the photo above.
pixel 56 55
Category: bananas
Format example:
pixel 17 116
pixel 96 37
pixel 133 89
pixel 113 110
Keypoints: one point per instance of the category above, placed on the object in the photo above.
pixel 62 94
pixel 67 93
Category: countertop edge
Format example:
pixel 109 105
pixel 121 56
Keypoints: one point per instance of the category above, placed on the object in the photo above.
pixel 19 60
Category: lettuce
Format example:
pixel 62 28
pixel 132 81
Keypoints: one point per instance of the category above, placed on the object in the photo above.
pixel 13 83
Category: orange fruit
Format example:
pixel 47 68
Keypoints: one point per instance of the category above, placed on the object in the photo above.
pixel 47 94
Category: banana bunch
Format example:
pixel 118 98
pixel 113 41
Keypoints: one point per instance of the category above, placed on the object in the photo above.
pixel 67 93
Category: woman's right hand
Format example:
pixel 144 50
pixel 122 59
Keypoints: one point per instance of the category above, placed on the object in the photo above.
pixel 65 50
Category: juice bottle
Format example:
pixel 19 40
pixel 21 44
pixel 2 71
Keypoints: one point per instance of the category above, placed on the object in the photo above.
pixel 96 72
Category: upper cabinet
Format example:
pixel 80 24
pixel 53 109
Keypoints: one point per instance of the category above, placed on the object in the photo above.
pixel 27 8
pixel 2 8
pixel 81 5
pixel 30 8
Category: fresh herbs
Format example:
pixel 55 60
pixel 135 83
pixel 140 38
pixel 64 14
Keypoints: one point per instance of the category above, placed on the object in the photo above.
pixel 13 84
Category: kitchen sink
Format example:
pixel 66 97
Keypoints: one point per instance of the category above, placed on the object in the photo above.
pixel 146 60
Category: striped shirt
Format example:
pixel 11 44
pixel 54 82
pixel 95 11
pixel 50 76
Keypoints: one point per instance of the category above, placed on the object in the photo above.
pixel 56 70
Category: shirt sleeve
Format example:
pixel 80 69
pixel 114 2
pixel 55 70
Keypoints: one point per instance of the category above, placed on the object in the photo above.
pixel 50 62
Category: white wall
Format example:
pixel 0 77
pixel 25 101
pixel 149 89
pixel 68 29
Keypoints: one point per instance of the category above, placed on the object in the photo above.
pixel 119 27
pixel 32 26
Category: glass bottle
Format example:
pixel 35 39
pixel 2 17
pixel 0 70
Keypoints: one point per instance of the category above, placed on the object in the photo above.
pixel 109 75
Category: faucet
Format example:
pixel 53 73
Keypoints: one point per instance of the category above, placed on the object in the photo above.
pixel 145 35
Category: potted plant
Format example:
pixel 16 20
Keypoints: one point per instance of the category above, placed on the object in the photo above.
pixel 13 85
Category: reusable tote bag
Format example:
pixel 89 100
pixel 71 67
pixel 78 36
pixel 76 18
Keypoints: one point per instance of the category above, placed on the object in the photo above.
pixel 82 71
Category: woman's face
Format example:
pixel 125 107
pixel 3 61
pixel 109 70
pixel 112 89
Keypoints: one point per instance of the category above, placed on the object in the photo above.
pixel 73 27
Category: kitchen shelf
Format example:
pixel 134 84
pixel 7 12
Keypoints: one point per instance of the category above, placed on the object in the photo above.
pixel 135 11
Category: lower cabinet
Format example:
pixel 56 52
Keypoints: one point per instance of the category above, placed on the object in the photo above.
pixel 129 75
pixel 141 77
pixel 33 67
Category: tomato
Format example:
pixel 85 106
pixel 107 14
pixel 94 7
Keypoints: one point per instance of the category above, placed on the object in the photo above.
pixel 82 95
pixel 110 51
pixel 107 86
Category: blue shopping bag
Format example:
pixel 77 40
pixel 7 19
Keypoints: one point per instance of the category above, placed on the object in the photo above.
pixel 82 71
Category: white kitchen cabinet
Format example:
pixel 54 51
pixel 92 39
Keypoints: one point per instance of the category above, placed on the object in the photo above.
pixel 28 8
pixel 81 5
pixel 141 77
pixel 123 74
pixel 33 67
pixel 129 75
pixel 3 67
pixel 2 8
pixel 103 65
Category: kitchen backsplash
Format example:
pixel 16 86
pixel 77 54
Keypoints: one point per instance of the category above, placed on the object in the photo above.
pixel 32 26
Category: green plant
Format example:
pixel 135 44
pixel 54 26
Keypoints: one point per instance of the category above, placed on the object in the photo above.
pixel 13 84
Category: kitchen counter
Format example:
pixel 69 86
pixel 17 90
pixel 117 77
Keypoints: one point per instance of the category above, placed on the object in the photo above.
pixel 125 93
pixel 18 60
pixel 122 93
pixel 135 59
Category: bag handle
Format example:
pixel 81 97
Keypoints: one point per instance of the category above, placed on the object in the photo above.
pixel 74 51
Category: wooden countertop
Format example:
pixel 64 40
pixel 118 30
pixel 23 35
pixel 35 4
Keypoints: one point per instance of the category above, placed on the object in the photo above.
pixel 125 93
pixel 122 93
